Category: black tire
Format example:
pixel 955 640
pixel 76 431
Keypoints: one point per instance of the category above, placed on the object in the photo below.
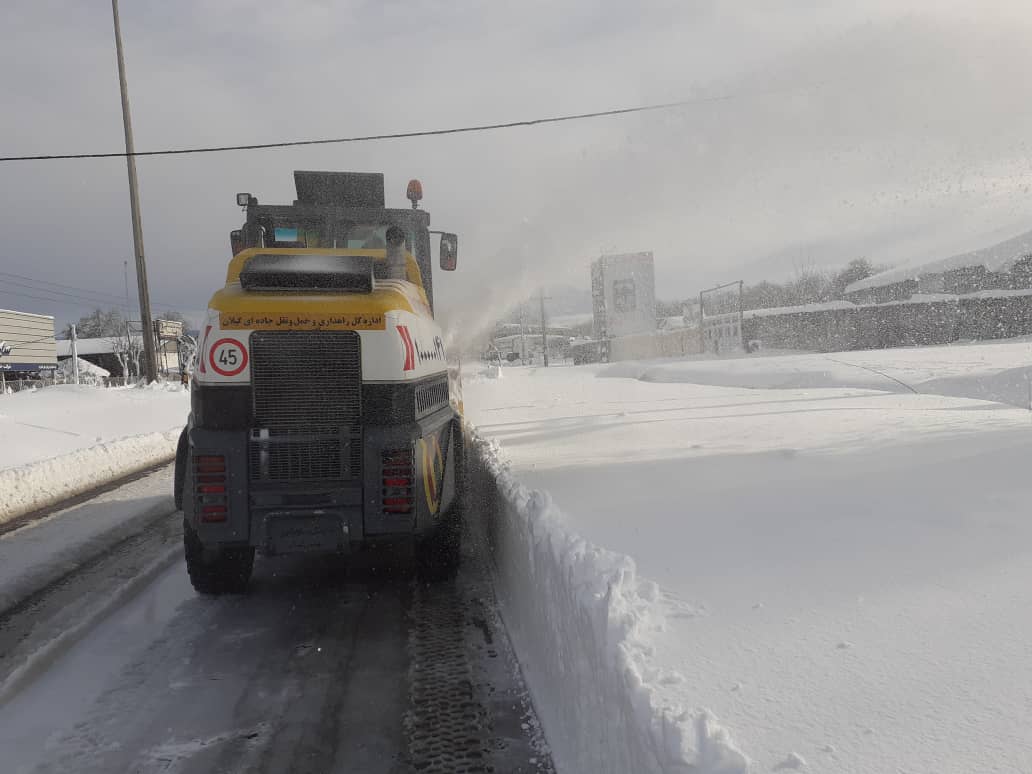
pixel 461 481
pixel 228 572
pixel 439 555
pixel 179 477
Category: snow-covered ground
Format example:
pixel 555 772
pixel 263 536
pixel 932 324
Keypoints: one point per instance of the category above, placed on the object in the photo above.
pixel 59 441
pixel 844 566
pixel 997 371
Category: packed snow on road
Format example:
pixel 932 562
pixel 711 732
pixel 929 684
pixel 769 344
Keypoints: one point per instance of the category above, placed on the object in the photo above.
pixel 815 562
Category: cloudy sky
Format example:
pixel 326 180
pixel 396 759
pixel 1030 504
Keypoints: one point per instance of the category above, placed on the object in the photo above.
pixel 820 131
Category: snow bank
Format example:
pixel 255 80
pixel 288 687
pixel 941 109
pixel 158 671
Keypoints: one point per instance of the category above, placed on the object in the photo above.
pixel 579 618
pixel 86 368
pixel 30 487
pixel 60 441
pixel 844 575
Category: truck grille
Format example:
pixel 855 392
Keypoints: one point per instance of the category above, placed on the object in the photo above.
pixel 307 390
pixel 431 397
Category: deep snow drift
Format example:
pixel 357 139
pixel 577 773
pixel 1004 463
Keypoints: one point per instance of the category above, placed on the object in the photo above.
pixel 59 441
pixel 843 573
pixel 580 619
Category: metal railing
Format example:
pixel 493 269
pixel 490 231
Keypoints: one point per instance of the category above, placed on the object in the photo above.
pixel 11 386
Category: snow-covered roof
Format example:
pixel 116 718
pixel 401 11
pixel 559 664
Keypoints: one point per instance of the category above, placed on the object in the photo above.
pixel 776 310
pixel 85 367
pixel 998 257
pixel 28 314
pixel 978 294
pixel 101 346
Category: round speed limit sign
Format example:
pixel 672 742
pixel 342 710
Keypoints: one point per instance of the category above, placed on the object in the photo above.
pixel 227 357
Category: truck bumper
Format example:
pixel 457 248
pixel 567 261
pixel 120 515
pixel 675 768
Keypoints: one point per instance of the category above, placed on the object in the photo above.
pixel 308 517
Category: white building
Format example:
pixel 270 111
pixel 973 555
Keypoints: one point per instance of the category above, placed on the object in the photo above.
pixel 623 292
pixel 27 342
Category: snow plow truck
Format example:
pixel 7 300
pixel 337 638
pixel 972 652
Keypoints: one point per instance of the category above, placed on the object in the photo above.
pixel 324 415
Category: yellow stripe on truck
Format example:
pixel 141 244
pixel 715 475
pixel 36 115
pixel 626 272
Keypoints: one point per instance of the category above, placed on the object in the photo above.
pixel 240 310
pixel 302 321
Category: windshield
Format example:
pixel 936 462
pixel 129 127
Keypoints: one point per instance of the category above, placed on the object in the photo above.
pixel 347 235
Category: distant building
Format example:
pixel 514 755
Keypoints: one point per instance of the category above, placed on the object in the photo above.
pixel 27 343
pixel 623 292
pixel 1006 265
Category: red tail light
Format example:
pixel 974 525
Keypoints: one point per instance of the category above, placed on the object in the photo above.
pixel 396 465
pixel 214 513
pixel 210 490
pixel 210 464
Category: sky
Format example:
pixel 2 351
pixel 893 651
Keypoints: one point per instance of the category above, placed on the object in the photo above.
pixel 818 132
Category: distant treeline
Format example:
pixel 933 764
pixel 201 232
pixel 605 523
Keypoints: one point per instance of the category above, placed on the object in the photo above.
pixel 809 285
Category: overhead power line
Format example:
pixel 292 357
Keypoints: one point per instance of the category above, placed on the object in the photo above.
pixel 55 291
pixel 67 302
pixel 96 297
pixel 60 285
pixel 422 133
pixel 72 300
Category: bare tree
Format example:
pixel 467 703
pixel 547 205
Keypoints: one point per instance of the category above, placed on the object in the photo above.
pixel 809 286
pixel 97 324
pixel 128 349
pixel 188 352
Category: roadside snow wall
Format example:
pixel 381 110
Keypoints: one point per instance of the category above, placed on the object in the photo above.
pixel 39 484
pixel 579 619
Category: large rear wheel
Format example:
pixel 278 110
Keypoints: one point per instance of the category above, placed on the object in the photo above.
pixel 439 554
pixel 179 475
pixel 218 571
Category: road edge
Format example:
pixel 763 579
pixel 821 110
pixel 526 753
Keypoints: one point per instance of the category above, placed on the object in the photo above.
pixel 48 652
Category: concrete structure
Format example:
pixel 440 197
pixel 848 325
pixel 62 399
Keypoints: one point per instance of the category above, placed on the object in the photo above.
pixel 623 292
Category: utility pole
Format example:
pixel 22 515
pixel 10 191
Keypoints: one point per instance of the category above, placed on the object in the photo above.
pixel 150 364
pixel 544 329
pixel 125 274
pixel 523 339
pixel 75 355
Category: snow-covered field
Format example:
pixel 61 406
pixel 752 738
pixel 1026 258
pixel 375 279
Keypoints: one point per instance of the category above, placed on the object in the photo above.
pixel 998 371
pixel 59 441
pixel 844 563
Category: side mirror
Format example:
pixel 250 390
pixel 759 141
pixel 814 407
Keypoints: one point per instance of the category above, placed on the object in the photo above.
pixel 449 251
pixel 236 241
